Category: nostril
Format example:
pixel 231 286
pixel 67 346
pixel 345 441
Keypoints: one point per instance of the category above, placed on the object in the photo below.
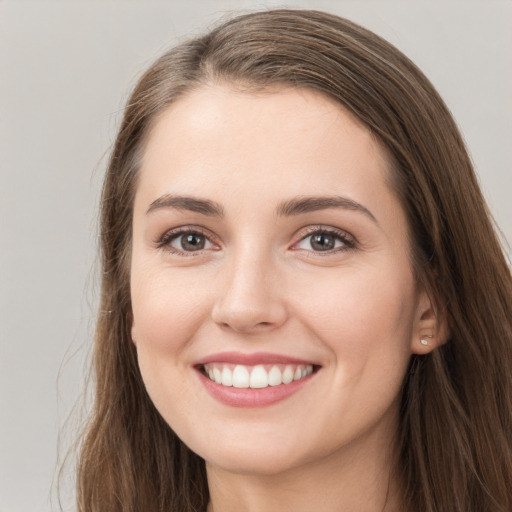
pixel 246 323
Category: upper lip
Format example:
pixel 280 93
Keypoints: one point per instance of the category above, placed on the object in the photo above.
pixel 251 359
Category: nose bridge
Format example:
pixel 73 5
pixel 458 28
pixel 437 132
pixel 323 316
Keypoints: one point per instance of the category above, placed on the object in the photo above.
pixel 249 298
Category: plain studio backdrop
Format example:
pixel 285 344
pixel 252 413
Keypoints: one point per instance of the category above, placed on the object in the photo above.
pixel 65 69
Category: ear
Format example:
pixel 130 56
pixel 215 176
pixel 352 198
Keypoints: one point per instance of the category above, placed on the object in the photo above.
pixel 431 328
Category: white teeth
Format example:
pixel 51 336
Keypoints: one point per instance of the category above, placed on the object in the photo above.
pixel 288 375
pixel 217 375
pixel 256 377
pixel 274 376
pixel 240 377
pixel 227 377
pixel 259 377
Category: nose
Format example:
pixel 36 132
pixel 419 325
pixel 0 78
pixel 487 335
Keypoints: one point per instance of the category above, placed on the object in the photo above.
pixel 251 298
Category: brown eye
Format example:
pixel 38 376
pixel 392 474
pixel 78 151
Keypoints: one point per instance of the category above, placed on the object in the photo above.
pixel 190 241
pixel 322 242
pixel 325 241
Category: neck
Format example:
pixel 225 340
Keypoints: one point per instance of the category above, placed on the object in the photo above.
pixel 348 480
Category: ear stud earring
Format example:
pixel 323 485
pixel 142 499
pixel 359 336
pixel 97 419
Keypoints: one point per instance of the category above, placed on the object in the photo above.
pixel 424 341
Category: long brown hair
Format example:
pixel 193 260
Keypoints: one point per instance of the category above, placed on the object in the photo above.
pixel 456 414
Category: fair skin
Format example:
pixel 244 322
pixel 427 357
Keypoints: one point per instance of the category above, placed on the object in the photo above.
pixel 265 233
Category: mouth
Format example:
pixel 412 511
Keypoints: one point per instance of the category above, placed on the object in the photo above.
pixel 254 380
pixel 258 376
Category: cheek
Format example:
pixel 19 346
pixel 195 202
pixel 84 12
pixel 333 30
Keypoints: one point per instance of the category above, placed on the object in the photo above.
pixel 166 310
pixel 359 302
pixel 167 313
pixel 366 319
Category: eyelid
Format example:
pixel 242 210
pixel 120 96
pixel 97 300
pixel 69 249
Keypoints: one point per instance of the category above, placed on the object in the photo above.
pixel 348 240
pixel 164 241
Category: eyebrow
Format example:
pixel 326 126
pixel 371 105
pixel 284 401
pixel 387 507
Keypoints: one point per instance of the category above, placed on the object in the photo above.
pixel 193 204
pixel 289 208
pixel 306 204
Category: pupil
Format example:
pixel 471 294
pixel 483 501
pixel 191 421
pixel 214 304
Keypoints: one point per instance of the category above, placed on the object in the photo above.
pixel 192 242
pixel 322 242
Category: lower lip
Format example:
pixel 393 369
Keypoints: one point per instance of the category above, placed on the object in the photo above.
pixel 248 397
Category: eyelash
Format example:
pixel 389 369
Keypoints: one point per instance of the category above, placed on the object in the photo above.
pixel 167 238
pixel 346 239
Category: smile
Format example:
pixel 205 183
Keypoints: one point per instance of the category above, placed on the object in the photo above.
pixel 256 377
pixel 254 380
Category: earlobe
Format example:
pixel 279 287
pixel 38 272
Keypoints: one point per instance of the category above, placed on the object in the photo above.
pixel 431 330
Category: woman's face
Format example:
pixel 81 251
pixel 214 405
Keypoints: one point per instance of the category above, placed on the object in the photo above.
pixel 268 247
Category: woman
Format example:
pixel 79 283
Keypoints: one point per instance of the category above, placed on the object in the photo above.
pixel 304 304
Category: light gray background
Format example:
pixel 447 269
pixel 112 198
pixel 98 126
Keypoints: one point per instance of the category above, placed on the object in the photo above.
pixel 64 69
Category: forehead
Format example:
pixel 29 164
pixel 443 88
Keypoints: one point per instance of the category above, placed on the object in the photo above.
pixel 221 141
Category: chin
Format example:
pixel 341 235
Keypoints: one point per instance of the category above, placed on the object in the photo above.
pixel 262 454
pixel 255 462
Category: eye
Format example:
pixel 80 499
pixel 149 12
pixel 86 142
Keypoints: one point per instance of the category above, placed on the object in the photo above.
pixel 323 240
pixel 191 242
pixel 185 241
